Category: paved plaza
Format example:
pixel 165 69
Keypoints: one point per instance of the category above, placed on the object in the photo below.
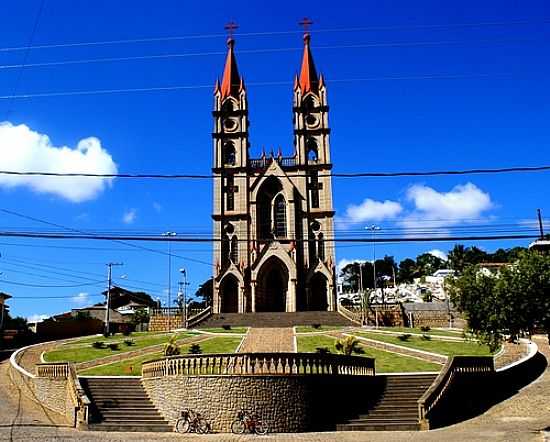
pixel 520 418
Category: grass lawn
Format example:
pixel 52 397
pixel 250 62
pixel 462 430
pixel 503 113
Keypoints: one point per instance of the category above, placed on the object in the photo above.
pixel 386 362
pixel 311 329
pixel 441 347
pixel 119 337
pixel 236 330
pixel 454 334
pixel 83 351
pixel 132 367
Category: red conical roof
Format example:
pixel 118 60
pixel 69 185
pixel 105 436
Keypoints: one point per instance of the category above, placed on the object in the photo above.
pixel 309 81
pixel 231 81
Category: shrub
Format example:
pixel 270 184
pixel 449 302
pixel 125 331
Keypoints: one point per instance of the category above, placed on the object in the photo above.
pixel 404 337
pixel 426 337
pixel 129 342
pixel 322 350
pixel 226 327
pixel 316 326
pixel 348 346
pixel 195 349
pixel 127 332
pixel 425 328
pixel 98 344
pixel 171 347
pixel 113 346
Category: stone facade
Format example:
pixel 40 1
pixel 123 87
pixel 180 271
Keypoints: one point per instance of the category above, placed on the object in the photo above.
pixel 273 215
pixel 285 403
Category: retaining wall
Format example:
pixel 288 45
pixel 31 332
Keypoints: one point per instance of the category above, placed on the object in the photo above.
pixel 285 403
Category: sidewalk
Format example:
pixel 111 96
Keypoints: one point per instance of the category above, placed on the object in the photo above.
pixel 268 340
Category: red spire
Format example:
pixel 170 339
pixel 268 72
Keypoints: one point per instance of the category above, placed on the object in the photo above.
pixel 231 81
pixel 309 81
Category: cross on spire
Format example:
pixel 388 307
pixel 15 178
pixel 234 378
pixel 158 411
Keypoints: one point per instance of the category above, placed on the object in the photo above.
pixel 306 23
pixel 230 28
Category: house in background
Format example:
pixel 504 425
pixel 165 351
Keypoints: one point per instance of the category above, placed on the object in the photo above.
pixel 3 308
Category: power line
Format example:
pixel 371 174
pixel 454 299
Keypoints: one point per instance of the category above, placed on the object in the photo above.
pixel 3 281
pixel 270 33
pixel 513 169
pixel 257 51
pixel 254 84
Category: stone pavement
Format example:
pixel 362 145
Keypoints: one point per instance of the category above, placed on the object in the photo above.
pixel 268 340
pixel 524 417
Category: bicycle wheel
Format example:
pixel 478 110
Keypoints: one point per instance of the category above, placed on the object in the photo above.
pixel 238 427
pixel 183 426
pixel 202 426
pixel 260 427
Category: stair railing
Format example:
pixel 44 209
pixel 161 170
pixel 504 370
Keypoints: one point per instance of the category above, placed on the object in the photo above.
pixel 194 320
pixel 455 366
pixel 356 317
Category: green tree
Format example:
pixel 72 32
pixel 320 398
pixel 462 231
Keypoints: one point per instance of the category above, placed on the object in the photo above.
pixel 140 316
pixel 510 303
pixel 206 291
pixel 427 264
pixel 407 270
pixel 348 346
pixel 457 258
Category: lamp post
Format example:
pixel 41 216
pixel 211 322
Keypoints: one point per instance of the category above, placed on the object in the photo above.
pixel 169 235
pixel 373 229
pixel 108 300
pixel 183 291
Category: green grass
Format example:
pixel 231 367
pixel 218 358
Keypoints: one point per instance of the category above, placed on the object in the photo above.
pixel 386 362
pixel 311 329
pixel 83 351
pixel 132 367
pixel 454 334
pixel 114 338
pixel 236 330
pixel 435 346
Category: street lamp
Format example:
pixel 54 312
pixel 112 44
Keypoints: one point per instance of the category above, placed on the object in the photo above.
pixel 373 228
pixel 183 289
pixel 169 235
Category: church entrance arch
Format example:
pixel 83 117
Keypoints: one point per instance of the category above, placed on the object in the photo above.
pixel 229 295
pixel 272 286
pixel 318 293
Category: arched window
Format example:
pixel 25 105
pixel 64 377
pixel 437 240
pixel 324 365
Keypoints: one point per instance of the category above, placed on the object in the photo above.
pixel 228 106
pixel 229 154
pixel 234 255
pixel 309 103
pixel 321 247
pixel 312 151
pixel 279 210
pixel 314 187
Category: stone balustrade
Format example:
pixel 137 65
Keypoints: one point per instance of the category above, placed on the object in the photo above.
pixel 455 366
pixel 59 370
pixel 259 364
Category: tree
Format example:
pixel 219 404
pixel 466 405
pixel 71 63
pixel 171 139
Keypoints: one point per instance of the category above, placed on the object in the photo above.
pixel 206 291
pixel 348 346
pixel 427 264
pixel 407 270
pixel 457 258
pixel 140 316
pixel 510 303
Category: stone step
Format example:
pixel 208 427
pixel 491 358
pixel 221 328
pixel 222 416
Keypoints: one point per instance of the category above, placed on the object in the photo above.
pixel 275 319
pixel 146 427
pixel 403 426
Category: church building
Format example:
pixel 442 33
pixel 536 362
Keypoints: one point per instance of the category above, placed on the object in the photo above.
pixel 273 214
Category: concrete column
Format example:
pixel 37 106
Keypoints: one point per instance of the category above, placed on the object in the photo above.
pixel 291 296
pixel 330 298
pixel 216 299
pixel 253 296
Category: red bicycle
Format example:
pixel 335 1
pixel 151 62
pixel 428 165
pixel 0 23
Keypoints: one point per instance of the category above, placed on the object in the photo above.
pixel 247 421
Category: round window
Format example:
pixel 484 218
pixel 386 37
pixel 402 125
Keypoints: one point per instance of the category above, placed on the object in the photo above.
pixel 230 124
pixel 312 120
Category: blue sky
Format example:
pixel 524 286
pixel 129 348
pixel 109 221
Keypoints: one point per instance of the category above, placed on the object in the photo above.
pixel 490 108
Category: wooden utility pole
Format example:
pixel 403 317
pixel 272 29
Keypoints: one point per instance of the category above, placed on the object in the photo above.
pixel 108 301
pixel 541 229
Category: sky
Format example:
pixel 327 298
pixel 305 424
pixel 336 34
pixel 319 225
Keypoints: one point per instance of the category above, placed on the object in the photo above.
pixel 424 85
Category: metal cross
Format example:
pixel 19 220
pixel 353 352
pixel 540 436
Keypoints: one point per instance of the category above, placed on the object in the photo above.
pixel 230 28
pixel 306 23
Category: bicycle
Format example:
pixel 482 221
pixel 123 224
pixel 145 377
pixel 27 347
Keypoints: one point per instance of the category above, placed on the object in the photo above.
pixel 247 421
pixel 191 421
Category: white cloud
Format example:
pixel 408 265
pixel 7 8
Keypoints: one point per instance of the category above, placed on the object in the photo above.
pixel 37 318
pixel 81 298
pixel 129 216
pixel 438 254
pixel 463 203
pixel 157 207
pixel 371 210
pixel 22 150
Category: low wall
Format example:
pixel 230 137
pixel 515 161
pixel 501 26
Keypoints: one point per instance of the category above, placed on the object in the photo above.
pixel 286 403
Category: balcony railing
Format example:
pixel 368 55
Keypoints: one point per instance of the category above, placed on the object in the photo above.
pixel 259 364
pixel 59 370
pixel 264 163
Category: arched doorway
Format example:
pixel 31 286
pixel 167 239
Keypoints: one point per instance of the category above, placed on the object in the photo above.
pixel 229 295
pixel 318 293
pixel 272 286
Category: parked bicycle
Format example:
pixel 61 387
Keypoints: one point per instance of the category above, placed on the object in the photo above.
pixel 248 422
pixel 191 421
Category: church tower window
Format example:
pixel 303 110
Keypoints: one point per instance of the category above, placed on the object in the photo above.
pixel 229 154
pixel 279 208
pixel 234 255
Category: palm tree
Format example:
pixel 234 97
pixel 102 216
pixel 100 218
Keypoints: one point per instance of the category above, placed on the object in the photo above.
pixel 348 346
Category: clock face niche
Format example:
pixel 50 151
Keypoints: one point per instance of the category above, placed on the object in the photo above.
pixel 312 120
pixel 230 124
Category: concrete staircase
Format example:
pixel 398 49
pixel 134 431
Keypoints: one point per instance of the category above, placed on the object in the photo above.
pixel 121 404
pixel 275 319
pixel 397 408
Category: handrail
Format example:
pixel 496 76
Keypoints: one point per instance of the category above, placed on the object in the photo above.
pixel 200 316
pixel 59 370
pixel 454 366
pixel 259 364
pixel 352 316
pixel 166 311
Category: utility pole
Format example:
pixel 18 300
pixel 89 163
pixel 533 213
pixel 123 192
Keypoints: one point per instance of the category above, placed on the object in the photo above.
pixel 373 229
pixel 541 229
pixel 183 290
pixel 108 301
